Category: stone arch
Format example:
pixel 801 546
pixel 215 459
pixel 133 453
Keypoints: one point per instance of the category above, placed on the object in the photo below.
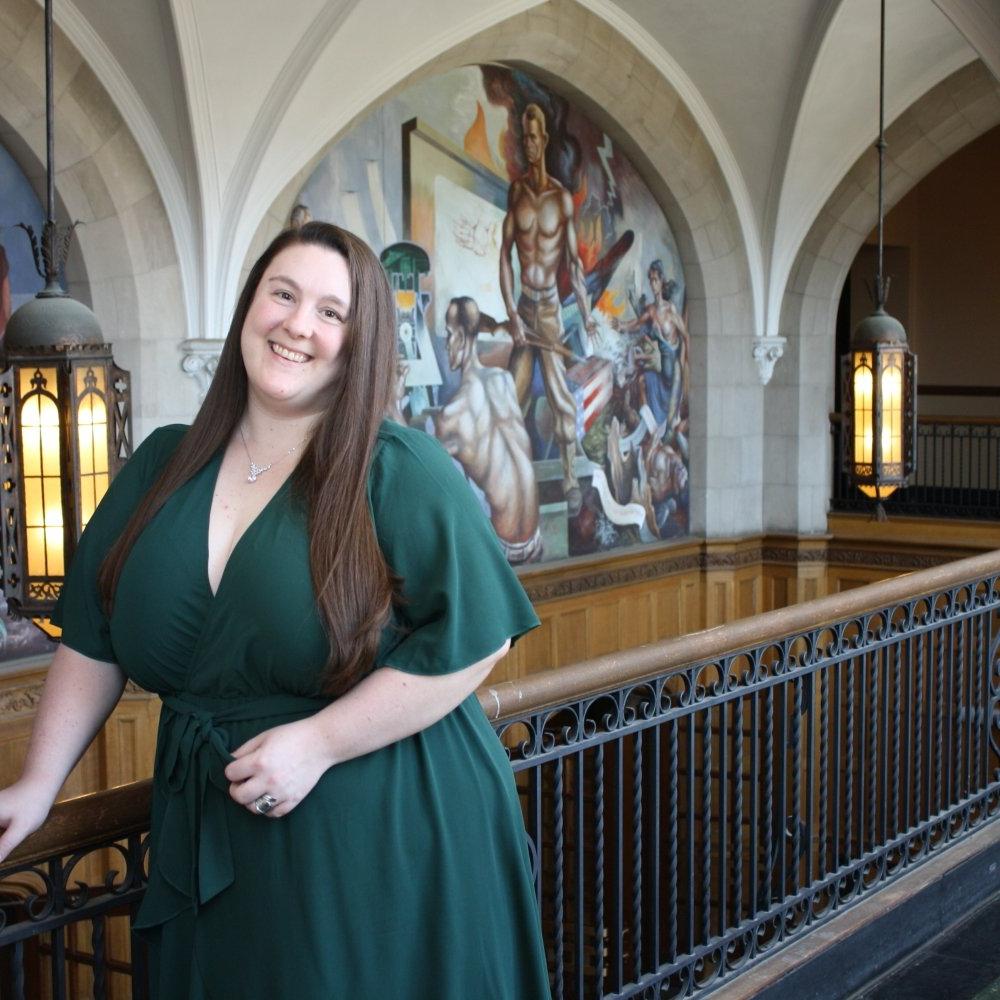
pixel 124 263
pixel 797 435
pixel 584 57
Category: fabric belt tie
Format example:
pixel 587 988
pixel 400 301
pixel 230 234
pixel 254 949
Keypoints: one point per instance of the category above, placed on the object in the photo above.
pixel 192 859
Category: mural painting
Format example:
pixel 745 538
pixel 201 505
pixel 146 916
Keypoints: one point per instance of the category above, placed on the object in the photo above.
pixel 540 306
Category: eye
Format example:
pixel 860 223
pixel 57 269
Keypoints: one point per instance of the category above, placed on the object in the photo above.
pixel 332 315
pixel 283 295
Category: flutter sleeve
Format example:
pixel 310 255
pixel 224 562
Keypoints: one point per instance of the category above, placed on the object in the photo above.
pixel 78 611
pixel 461 599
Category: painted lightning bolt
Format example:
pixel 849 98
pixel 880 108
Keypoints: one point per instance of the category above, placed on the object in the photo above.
pixel 605 152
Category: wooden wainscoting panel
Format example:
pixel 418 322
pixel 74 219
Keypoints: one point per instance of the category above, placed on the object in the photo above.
pixel 671 610
pixel 748 602
pixel 573 632
pixel 605 626
pixel 637 619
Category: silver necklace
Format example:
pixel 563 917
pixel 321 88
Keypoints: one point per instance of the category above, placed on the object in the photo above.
pixel 256 471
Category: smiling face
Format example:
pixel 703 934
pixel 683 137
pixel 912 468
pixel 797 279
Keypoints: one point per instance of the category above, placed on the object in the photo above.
pixel 295 330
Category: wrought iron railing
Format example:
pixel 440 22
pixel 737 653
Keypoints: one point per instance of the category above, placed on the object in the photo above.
pixel 958 471
pixel 695 804
pixel 67 898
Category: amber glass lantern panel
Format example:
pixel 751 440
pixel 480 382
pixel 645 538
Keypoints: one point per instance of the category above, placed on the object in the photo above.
pixel 92 439
pixel 41 470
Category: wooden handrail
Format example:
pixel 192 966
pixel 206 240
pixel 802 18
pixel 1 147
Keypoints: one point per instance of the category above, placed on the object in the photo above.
pixel 836 418
pixel 88 821
pixel 100 817
pixel 613 670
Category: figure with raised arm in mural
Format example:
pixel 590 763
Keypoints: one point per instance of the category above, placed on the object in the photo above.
pixel 539 222
pixel 483 428
pixel 662 354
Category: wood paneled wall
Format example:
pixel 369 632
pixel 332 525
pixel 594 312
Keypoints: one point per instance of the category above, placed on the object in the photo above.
pixel 588 608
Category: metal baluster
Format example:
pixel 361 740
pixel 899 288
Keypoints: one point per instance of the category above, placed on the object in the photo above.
pixel 738 810
pixel 982 731
pixel 939 722
pixel 753 853
pixel 965 634
pixel 58 963
pixel 140 963
pixel 637 856
pixel 849 769
pixel 672 849
pixel 824 772
pixel 17 970
pixel 768 808
pixel 723 826
pixel 918 750
pixel 706 827
pixel 536 826
pixel 654 840
pixel 809 694
pixel 599 962
pixel 838 756
pixel 868 751
pixel 691 777
pixel 781 792
pixel 950 718
pixel 559 861
pixel 100 960
pixel 918 705
pixel 888 653
pixel 796 782
pixel 959 708
pixel 616 939
pixel 898 721
pixel 580 898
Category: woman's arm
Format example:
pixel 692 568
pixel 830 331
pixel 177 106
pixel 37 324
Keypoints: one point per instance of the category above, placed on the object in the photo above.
pixel 388 705
pixel 80 693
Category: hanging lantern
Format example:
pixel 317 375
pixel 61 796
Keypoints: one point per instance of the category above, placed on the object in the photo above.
pixel 879 374
pixel 878 383
pixel 64 434
pixel 65 423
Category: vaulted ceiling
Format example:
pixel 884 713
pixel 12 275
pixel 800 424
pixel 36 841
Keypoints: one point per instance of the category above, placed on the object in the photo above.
pixel 230 100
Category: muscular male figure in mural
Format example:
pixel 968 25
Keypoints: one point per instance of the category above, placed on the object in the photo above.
pixel 483 428
pixel 539 222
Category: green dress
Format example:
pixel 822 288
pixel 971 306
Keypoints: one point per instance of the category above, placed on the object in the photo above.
pixel 404 873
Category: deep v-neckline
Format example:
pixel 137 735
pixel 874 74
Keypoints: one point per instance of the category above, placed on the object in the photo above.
pixel 213 484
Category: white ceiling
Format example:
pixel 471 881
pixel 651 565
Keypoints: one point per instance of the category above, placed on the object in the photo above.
pixel 230 99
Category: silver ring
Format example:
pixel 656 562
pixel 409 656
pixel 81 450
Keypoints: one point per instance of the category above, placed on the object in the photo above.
pixel 264 803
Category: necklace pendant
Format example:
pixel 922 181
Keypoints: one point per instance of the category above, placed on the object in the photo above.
pixel 256 471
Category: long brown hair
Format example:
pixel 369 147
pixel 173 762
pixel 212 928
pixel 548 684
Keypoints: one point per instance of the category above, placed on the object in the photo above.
pixel 353 585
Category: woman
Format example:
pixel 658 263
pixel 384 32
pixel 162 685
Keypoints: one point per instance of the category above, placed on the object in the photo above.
pixel 315 594
pixel 664 356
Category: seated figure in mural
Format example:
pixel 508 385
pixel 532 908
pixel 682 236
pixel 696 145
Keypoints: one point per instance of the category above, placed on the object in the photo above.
pixel 483 428
pixel 539 222
pixel 662 354
pixel 666 480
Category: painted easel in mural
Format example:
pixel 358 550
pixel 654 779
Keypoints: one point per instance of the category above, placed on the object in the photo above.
pixel 404 263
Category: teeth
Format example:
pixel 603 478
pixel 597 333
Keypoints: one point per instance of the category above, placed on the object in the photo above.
pixel 283 352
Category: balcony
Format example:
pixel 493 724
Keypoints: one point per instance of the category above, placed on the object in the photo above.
pixel 693 806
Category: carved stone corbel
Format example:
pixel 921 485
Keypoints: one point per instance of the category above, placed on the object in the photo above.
pixel 766 351
pixel 201 357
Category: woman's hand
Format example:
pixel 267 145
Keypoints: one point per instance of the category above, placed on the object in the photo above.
pixel 284 762
pixel 23 808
